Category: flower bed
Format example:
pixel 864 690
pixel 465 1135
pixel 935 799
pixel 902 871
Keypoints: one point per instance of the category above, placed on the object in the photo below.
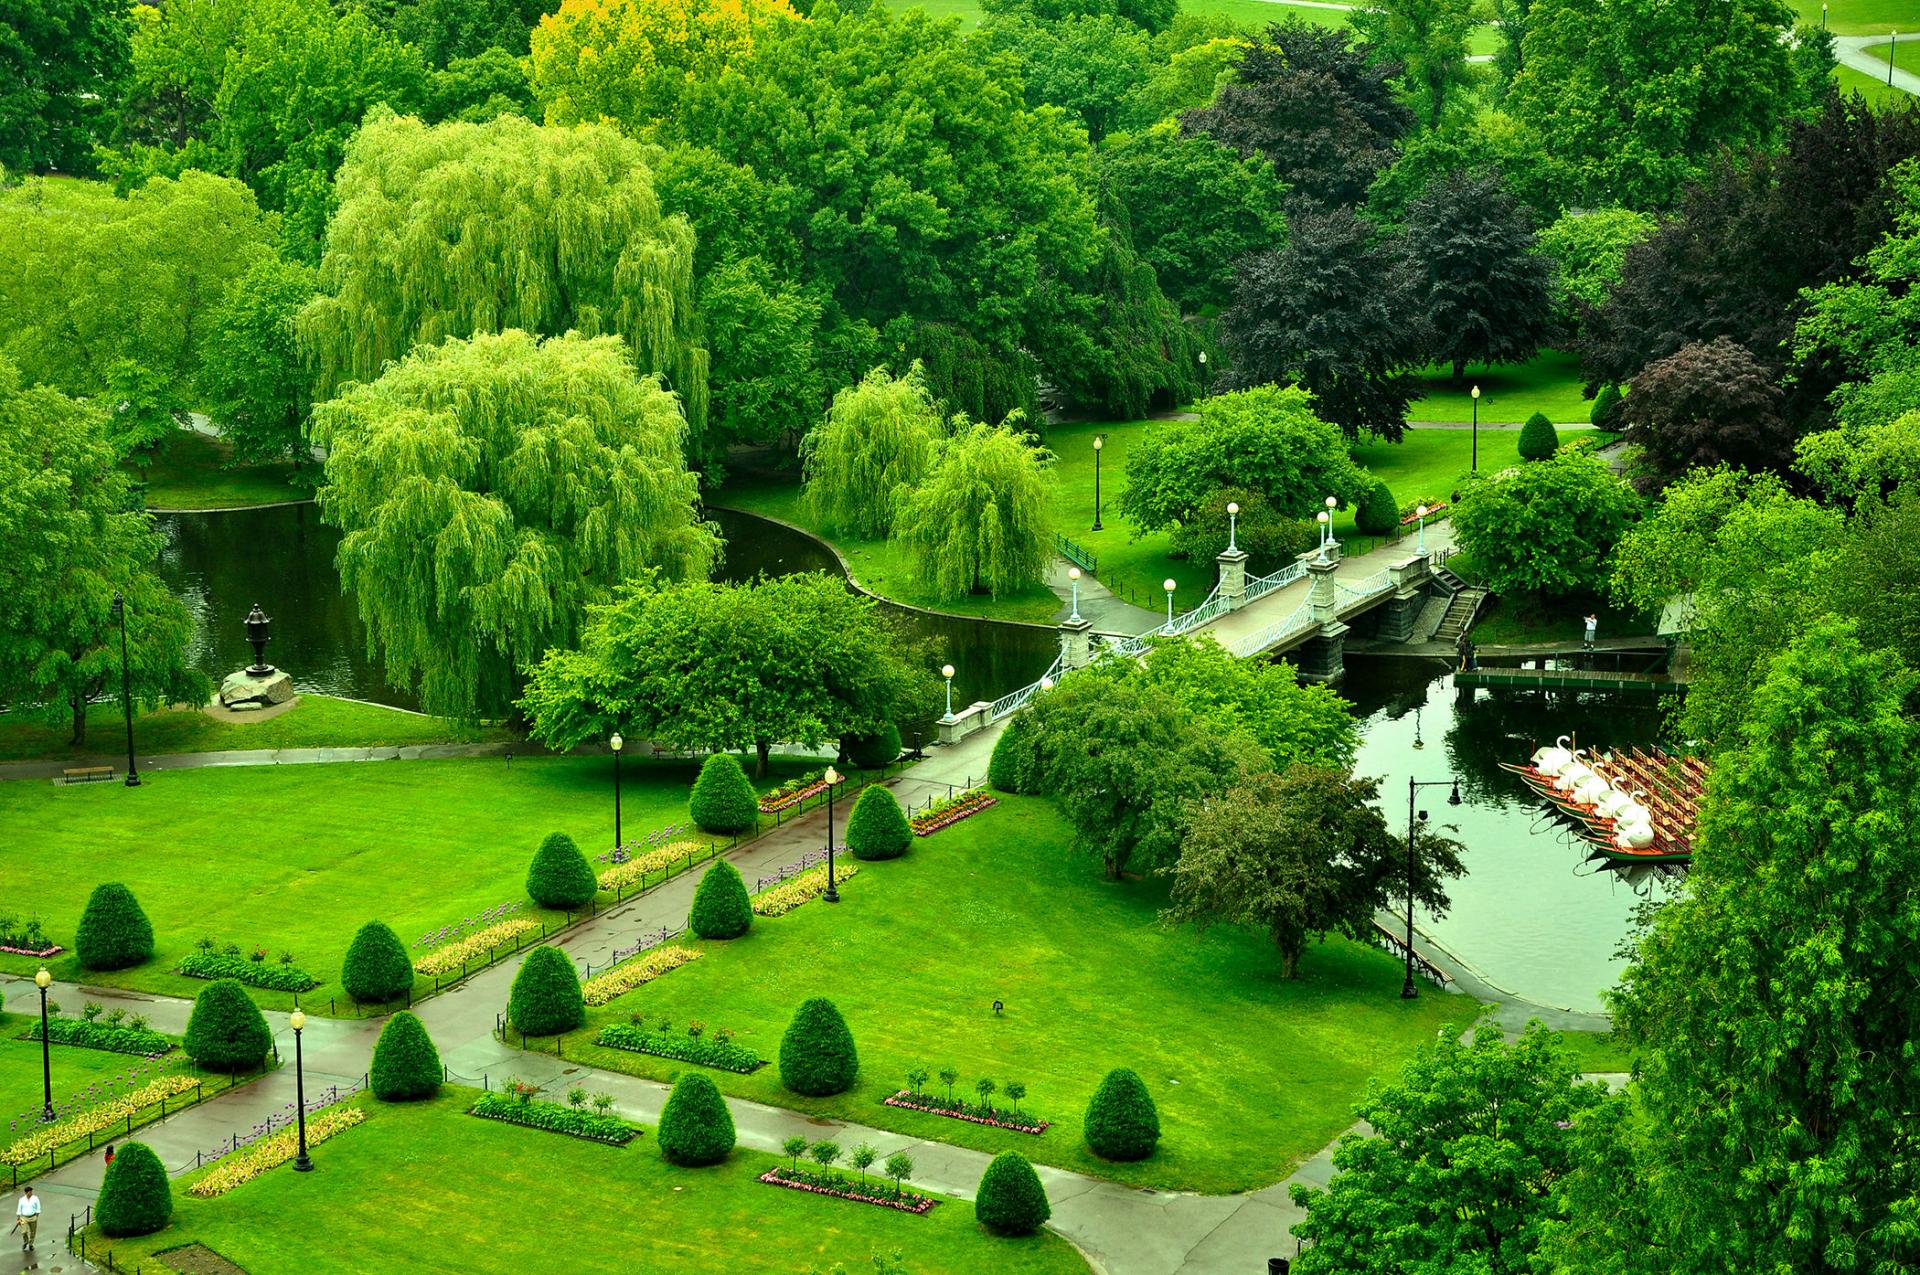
pixel 114 1112
pixel 636 870
pixel 948 811
pixel 704 1051
pixel 455 955
pixel 838 1187
pixel 788 895
pixel 554 1118
pixel 272 1151
pixel 936 1106
pixel 119 1040
pixel 275 978
pixel 53 949
pixel 22 936
pixel 644 968
pixel 793 792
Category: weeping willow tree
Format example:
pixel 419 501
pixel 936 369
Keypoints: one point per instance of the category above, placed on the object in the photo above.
pixel 463 228
pixel 876 443
pixel 979 524
pixel 490 489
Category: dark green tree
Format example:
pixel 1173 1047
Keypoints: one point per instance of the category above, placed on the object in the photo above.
pixel 1607 408
pixel 817 1056
pixel 1010 1199
pixel 1121 1122
pixel 257 388
pixel 723 799
pixel 226 1031
pixel 376 968
pixel 1488 293
pixel 1013 767
pixel 560 876
pixel 58 61
pixel 1376 513
pixel 877 828
pixel 1704 405
pixel 1548 527
pixel 135 1196
pixel 1538 438
pixel 874 750
pixel 1085 65
pixel 546 999
pixel 721 909
pixel 406 1066
pixel 114 932
pixel 695 1126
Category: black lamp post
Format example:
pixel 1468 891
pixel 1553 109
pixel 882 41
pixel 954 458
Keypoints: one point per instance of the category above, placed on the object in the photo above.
pixel 126 688
pixel 1206 376
pixel 833 781
pixel 1099 442
pixel 1476 429
pixel 41 981
pixel 1407 990
pixel 298 1020
pixel 616 743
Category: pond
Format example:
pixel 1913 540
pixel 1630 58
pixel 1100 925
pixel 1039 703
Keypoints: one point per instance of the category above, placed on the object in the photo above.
pixel 1531 916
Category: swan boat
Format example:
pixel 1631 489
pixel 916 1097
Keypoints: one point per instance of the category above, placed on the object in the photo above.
pixel 1631 805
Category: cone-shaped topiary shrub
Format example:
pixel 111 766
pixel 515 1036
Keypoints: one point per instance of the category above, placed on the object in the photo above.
pixel 114 933
pixel 720 906
pixel 226 1031
pixel 406 1066
pixel 1606 409
pixel 135 1197
pixel 376 968
pixel 1122 1122
pixel 870 751
pixel 546 999
pixel 877 828
pixel 817 1056
pixel 723 800
pixel 695 1126
pixel 560 876
pixel 1015 766
pixel 1376 514
pixel 1538 438
pixel 1010 1200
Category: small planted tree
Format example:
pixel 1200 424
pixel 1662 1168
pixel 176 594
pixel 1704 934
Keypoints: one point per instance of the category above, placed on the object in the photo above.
pixel 899 1167
pixel 985 1087
pixel 1376 513
pixel 825 1153
pixel 1538 438
pixel 226 1031
pixel 817 1056
pixel 875 750
pixel 1122 1122
pixel 135 1196
pixel 862 1157
pixel 877 828
pixel 723 800
pixel 695 1126
pixel 1010 1200
pixel 560 876
pixel 376 968
pixel 1015 1091
pixel 949 1076
pixel 795 1147
pixel 406 1066
pixel 1606 409
pixel 546 998
pixel 114 933
pixel 720 909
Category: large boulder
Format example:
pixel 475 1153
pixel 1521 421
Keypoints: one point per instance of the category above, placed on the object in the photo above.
pixel 244 690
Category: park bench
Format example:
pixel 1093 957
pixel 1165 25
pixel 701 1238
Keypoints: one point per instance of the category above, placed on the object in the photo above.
pixel 86 774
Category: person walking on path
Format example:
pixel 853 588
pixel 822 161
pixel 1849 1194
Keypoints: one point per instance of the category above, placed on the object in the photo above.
pixel 1593 627
pixel 26 1217
pixel 109 1156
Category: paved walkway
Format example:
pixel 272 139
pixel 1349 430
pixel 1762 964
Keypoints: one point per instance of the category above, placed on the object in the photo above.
pixel 1851 51
pixel 263 757
pixel 1108 612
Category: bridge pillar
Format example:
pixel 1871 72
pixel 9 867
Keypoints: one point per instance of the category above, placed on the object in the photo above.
pixel 1400 612
pixel 967 721
pixel 1321 657
pixel 1233 577
pixel 1076 644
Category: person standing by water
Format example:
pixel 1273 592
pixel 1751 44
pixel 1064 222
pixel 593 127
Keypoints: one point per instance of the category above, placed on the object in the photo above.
pixel 1593 627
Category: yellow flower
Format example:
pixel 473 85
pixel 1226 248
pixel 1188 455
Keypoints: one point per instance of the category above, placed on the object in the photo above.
pixel 443 960
pixel 812 883
pixel 644 968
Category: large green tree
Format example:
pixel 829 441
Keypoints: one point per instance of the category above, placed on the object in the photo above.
pixel 1294 723
pixel 875 445
pixel 255 382
pixel 1085 65
pixel 489 490
pixel 59 62
pixel 1428 39
pixel 1546 527
pixel 980 521
pixel 1588 249
pixel 1488 292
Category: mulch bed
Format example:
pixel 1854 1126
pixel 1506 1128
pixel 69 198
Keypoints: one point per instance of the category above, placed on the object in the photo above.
pixel 198 1259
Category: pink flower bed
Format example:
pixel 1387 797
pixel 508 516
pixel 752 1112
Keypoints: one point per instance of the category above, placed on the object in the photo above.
pixel 55 950
pixel 773 805
pixel 898 1100
pixel 927 825
pixel 915 1204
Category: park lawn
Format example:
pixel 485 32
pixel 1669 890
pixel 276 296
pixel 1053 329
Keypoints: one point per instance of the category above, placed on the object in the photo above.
pixel 1875 90
pixel 1131 564
pixel 297 858
pixel 1597 1051
pixel 1509 394
pixel 75 1071
pixel 1252 1074
pixel 1525 619
pixel 315 721
pixel 196 472
pixel 1905 54
pixel 1427 464
pixel 1861 17
pixel 426 1187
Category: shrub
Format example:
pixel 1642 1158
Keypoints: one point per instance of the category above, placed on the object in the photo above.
pixel 1606 409
pixel 1011 1200
pixel 226 1031
pixel 877 828
pixel 376 968
pixel 114 933
pixel 1376 514
pixel 600 1126
pixel 406 1066
pixel 108 1036
pixel 546 998
pixel 1122 1123
pixel 723 800
pixel 1538 438
pixel 817 1056
pixel 695 1127
pixel 135 1196
pixel 277 978
pixel 1015 766
pixel 560 876
pixel 1267 536
pixel 871 751
pixel 721 909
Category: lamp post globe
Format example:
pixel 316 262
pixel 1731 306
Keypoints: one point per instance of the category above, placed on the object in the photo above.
pixel 298 1021
pixel 43 980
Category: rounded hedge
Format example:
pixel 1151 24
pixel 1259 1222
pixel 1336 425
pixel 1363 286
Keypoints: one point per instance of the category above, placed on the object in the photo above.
pixel 1538 438
pixel 135 1196
pixel 1122 1122
pixel 817 1056
pixel 1607 409
pixel 1376 514
pixel 877 828
pixel 695 1126
pixel 546 999
pixel 406 1066
pixel 226 1031
pixel 723 800
pixel 114 933
pixel 377 967
pixel 872 751
pixel 721 909
pixel 1011 1200
pixel 1015 765
pixel 560 876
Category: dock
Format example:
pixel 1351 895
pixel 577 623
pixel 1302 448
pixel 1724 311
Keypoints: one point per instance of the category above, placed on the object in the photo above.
pixel 1569 679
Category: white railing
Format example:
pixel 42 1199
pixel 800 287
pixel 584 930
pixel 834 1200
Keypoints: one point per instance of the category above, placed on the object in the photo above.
pixel 1206 613
pixel 1263 585
pixel 1014 701
pixel 1277 632
pixel 1378 582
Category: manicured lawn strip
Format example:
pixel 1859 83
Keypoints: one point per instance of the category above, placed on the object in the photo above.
pixel 1861 17
pixel 74 1070
pixel 1597 1051
pixel 315 721
pixel 192 472
pixel 1906 54
pixel 1874 89
pixel 1509 394
pixel 997 909
pixel 1131 564
pixel 425 1187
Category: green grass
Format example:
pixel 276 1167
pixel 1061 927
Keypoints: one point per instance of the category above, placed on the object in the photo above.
pixel 1597 1051
pixel 195 472
pixel 315 721
pixel 74 1070
pixel 297 858
pixel 1252 14
pixel 425 1187
pixel 1874 89
pixel 1522 620
pixel 1861 17
pixel 1905 54
pixel 1133 566
pixel 1509 394
pixel 1252 1073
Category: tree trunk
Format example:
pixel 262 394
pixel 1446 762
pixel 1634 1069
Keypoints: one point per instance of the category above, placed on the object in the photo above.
pixel 1459 371
pixel 1289 964
pixel 79 721
pixel 763 749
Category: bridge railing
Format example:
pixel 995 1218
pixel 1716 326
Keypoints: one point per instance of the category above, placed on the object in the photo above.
pixel 1014 701
pixel 1079 555
pixel 1378 582
pixel 1263 585
pixel 1278 631
pixel 1207 612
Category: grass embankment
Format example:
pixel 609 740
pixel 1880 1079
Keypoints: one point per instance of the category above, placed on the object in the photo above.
pixel 1860 17
pixel 1520 620
pixel 315 721
pixel 1509 394
pixel 426 1187
pixel 1905 54
pixel 196 472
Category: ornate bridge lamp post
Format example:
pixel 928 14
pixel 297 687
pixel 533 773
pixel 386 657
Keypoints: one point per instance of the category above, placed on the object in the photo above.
pixel 1169 584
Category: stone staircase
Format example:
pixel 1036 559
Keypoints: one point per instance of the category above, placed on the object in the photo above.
pixel 1462 609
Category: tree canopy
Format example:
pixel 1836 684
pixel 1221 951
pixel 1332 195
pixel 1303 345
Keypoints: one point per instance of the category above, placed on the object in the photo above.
pixel 980 521
pixel 1547 527
pixel 877 442
pixel 1488 292
pixel 55 55
pixel 1707 404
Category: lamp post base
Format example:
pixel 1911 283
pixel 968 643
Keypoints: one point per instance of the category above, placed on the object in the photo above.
pixel 133 780
pixel 302 1164
pixel 1408 992
pixel 831 896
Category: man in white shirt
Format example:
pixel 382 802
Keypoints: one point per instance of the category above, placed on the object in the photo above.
pixel 27 1217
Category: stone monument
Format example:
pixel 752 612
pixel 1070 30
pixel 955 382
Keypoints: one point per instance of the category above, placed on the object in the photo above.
pixel 262 685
